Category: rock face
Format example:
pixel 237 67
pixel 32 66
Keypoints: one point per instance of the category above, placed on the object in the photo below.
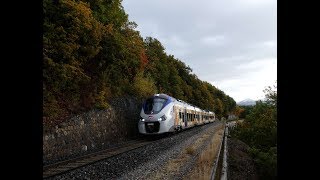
pixel 92 131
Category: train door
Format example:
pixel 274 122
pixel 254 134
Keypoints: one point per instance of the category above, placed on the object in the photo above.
pixel 185 118
pixel 177 115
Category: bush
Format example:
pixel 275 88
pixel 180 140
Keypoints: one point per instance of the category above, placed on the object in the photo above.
pixel 266 162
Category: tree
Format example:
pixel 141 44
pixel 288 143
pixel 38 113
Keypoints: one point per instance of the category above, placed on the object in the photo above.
pixel 271 95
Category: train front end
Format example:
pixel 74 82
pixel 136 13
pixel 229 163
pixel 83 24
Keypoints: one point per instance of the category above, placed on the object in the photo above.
pixel 156 115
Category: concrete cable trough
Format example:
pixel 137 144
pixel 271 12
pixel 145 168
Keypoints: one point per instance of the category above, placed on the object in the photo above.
pixel 222 173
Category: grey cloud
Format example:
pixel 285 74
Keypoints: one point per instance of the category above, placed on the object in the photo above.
pixel 213 37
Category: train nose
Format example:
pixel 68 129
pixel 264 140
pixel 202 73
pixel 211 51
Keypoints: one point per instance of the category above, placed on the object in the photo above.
pixel 152 127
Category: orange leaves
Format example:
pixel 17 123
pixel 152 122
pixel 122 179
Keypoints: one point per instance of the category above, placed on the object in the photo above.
pixel 80 12
pixel 108 29
pixel 143 60
pixel 239 111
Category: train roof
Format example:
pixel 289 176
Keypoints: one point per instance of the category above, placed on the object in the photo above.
pixel 165 96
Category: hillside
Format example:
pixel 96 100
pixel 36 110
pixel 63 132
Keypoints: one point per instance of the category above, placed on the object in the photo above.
pixel 92 54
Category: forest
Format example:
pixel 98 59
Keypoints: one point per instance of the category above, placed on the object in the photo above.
pixel 93 53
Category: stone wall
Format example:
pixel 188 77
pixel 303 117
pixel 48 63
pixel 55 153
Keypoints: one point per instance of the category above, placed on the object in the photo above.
pixel 92 131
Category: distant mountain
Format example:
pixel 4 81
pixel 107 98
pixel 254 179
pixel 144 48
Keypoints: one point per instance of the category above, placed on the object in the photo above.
pixel 247 102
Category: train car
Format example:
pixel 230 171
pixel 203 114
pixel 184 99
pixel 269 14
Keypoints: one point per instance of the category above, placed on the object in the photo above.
pixel 212 116
pixel 162 113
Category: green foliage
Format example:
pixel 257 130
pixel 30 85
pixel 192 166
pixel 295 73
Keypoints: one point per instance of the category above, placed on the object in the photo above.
pixel 101 97
pixel 266 162
pixel 260 127
pixel 259 131
pixel 144 86
pixel 246 110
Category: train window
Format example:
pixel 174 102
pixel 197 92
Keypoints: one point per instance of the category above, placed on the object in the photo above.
pixel 179 115
pixel 154 105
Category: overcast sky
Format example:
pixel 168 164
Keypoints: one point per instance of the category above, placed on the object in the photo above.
pixel 232 44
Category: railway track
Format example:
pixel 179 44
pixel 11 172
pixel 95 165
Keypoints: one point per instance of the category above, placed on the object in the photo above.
pixel 75 163
pixel 71 164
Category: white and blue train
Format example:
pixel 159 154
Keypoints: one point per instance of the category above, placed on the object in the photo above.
pixel 162 113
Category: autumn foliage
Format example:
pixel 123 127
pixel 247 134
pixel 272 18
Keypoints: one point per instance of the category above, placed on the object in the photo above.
pixel 92 53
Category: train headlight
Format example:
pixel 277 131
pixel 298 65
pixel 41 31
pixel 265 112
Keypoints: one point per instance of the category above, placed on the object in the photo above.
pixel 142 120
pixel 162 118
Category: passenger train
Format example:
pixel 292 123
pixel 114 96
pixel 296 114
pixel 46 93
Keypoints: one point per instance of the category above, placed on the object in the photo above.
pixel 162 113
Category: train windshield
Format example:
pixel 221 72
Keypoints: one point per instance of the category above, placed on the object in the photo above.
pixel 154 105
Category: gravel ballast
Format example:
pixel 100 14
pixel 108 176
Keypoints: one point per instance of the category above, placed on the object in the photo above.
pixel 143 162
